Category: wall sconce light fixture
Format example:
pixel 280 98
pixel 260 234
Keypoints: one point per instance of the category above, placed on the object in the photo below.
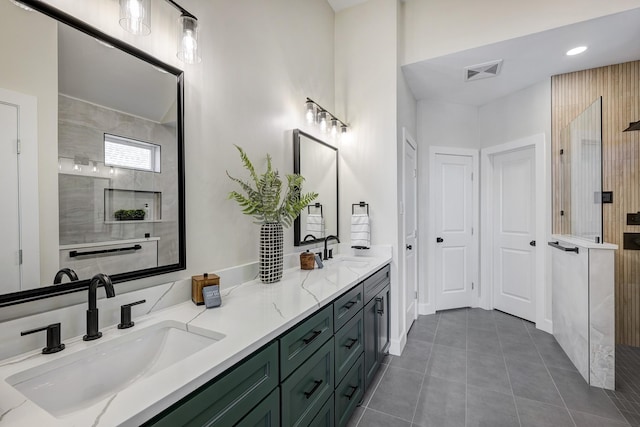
pixel 135 17
pixel 327 122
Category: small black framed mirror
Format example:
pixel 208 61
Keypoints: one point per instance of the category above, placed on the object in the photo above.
pixel 317 162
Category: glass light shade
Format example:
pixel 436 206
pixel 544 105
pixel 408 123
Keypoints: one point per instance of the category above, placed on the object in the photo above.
pixel 135 16
pixel 310 114
pixel 322 120
pixel 344 129
pixel 188 40
pixel 334 127
pixel 21 5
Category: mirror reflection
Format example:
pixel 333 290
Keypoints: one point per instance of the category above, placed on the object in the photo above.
pixel 118 166
pixel 317 161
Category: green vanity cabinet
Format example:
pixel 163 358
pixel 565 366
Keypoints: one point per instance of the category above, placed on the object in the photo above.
pixel 266 414
pixel 376 321
pixel 308 388
pixel 315 374
pixel 349 345
pixel 227 399
pixel 304 339
pixel 345 307
pixel 349 392
pixel 325 415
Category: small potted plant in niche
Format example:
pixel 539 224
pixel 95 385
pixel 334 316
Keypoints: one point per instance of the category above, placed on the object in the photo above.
pixel 264 200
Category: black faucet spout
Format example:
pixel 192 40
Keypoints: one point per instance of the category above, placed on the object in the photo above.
pixel 65 272
pixel 330 237
pixel 92 313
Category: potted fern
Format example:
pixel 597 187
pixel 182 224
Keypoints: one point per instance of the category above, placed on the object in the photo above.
pixel 264 200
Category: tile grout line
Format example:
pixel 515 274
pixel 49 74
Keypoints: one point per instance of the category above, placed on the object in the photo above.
pixel 383 413
pixel 544 363
pixel 424 376
pixel 504 360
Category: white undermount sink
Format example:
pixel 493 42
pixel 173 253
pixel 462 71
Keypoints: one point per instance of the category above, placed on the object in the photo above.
pixel 353 262
pixel 74 382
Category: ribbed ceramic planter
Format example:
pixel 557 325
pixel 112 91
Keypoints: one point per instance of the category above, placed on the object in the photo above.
pixel 271 252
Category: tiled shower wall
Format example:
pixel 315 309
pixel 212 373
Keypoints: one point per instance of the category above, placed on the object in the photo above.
pixel 81 133
pixel 619 86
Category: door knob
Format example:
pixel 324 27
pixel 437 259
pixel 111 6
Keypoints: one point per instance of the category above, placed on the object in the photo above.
pixel 532 243
pixel 439 239
pixel 409 247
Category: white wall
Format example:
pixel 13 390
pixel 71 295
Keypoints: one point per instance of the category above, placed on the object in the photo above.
pixel 259 62
pixel 436 28
pixel 366 84
pixel 406 120
pixel 520 114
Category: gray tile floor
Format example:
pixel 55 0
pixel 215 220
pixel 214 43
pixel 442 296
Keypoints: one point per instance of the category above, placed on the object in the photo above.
pixel 477 368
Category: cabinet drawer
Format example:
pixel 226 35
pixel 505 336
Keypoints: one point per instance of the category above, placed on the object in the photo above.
pixel 308 388
pixel 345 307
pixel 228 398
pixel 349 393
pixel 349 343
pixel 266 414
pixel 325 416
pixel 303 340
pixel 374 283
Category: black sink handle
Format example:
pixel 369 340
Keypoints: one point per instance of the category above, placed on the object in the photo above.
pixel 53 338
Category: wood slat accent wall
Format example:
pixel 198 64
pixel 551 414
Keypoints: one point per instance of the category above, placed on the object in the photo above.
pixel 619 86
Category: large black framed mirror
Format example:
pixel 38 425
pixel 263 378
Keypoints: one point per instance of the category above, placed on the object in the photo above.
pixel 119 168
pixel 317 162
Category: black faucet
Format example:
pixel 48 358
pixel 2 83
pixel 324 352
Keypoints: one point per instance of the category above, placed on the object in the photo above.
pixel 92 312
pixel 65 272
pixel 326 239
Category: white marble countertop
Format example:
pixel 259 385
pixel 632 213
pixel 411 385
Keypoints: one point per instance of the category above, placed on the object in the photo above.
pixel 252 314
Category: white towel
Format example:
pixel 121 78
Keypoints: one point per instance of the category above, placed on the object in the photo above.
pixel 315 225
pixel 360 231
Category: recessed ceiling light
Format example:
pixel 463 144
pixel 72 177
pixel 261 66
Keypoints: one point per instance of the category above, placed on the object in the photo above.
pixel 576 50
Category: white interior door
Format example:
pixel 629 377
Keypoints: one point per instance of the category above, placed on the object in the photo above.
pixel 9 194
pixel 410 231
pixel 514 230
pixel 454 253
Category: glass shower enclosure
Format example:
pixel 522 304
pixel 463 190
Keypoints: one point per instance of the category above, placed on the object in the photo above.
pixel 581 175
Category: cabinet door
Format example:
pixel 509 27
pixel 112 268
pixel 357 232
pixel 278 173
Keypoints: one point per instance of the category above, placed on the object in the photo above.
pixel 371 339
pixel 266 414
pixel 226 399
pixel 304 339
pixel 349 393
pixel 325 416
pixel 383 311
pixel 349 343
pixel 308 388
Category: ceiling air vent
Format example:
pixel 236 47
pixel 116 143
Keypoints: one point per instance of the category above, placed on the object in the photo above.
pixel 482 71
